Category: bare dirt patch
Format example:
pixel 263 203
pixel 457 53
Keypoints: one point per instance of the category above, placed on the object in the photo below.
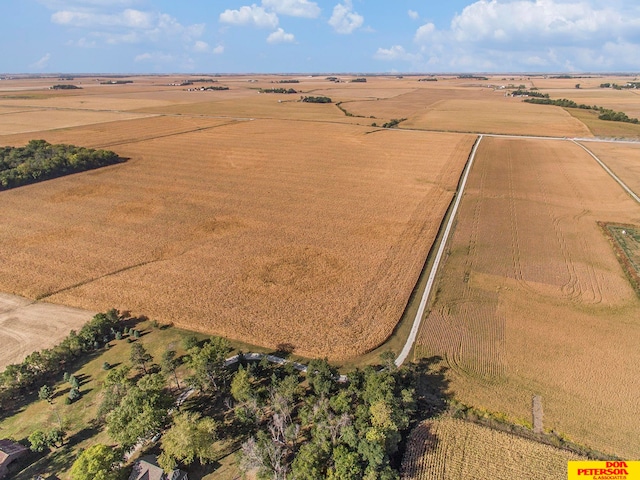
pixel 27 326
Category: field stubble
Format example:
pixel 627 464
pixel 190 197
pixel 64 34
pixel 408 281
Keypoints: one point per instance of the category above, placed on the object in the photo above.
pixel 452 449
pixel 318 244
pixel 534 301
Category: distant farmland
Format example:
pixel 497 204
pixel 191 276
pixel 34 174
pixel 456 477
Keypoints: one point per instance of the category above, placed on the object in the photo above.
pixel 281 223
pixel 239 231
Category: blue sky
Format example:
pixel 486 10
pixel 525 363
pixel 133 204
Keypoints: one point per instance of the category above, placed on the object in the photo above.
pixel 306 36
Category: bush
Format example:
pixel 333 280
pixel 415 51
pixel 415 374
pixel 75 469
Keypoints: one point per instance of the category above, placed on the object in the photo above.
pixel 106 366
pixel 74 394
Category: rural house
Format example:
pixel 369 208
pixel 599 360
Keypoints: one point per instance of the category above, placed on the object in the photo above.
pixel 147 469
pixel 9 451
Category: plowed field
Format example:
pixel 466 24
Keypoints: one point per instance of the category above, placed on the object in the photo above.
pixel 534 301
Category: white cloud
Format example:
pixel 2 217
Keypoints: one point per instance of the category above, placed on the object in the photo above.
pixel 155 57
pixel 128 26
pixel 280 36
pixel 201 47
pixel 218 50
pixel 396 52
pixel 425 32
pixel 344 20
pixel 534 35
pixel 413 14
pixel 540 21
pixel 42 63
pixel 128 18
pixel 82 43
pixel 293 8
pixel 253 15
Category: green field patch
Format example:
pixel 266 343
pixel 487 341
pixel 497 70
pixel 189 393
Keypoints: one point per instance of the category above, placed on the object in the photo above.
pixel 625 240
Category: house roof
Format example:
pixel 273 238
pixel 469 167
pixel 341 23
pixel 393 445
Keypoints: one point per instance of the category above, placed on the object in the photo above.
pixel 147 469
pixel 10 449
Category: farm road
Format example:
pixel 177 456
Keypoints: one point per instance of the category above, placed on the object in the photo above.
pixel 434 268
pixel 459 193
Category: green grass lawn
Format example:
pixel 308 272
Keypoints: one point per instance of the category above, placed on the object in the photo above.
pixel 78 417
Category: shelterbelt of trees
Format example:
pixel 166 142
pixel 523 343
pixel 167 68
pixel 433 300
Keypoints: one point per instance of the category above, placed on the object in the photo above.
pixel 283 424
pixel 604 113
pixel 40 160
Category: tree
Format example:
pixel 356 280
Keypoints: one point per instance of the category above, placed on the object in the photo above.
pixel 73 395
pixel 170 365
pixel 310 462
pixel 45 393
pixel 241 387
pixel 207 364
pixel 141 412
pixel 98 462
pixel 55 437
pixel 191 436
pixel 321 377
pixel 38 441
pixel 140 357
pixel 74 382
pixel 41 440
pixel 346 465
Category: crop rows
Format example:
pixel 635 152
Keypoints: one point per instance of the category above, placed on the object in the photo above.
pixel 318 245
pixel 531 286
pixel 451 449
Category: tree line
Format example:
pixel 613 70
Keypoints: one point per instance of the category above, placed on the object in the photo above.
pixel 316 100
pixel 40 160
pixel 288 425
pixel 289 428
pixel 39 368
pixel 604 113
pixel 278 90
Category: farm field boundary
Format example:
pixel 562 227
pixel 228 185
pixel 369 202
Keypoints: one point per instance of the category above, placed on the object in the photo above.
pixel 434 268
pixel 610 172
pixel 453 449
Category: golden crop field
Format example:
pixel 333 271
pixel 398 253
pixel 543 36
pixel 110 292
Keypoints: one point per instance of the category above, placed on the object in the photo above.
pixel 499 114
pixel 111 134
pixel 452 449
pixel 40 120
pixel 622 158
pixel 534 302
pixel 239 231
pixel 273 221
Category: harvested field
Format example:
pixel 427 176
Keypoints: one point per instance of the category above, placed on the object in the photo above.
pixel 259 105
pixel 413 103
pixel 451 449
pixel 110 134
pixel 499 114
pixel 534 300
pixel 622 158
pixel 26 326
pixel 40 120
pixel 604 128
pixel 318 244
pixel 627 100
